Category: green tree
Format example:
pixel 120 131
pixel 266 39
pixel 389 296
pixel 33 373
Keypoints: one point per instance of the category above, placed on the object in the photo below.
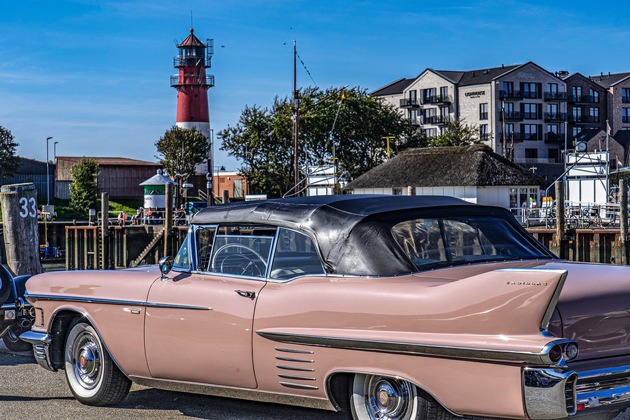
pixel 181 150
pixel 456 133
pixel 9 162
pixel 84 187
pixel 346 127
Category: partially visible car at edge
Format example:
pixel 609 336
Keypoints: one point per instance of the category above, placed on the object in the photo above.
pixel 380 306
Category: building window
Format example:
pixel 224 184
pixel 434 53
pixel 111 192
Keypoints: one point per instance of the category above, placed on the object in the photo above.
pixel 576 114
pixel 575 131
pixel 625 95
pixel 625 115
pixel 553 89
pixel 593 95
pixel 508 110
pixel 553 132
pixel 509 130
pixel 444 93
pixel 483 111
pixel 530 90
pixel 530 132
pixel 428 96
pixel 553 155
pixel 507 90
pixel 483 132
pixel 430 132
pixel 444 113
pixel 429 116
pixel 531 153
pixel 593 115
pixel 530 111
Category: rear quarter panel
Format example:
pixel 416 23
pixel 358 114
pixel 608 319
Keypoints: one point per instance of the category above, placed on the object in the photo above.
pixel 493 310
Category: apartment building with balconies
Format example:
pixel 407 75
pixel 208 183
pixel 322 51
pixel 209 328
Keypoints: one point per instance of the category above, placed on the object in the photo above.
pixel 521 110
pixel 587 106
pixel 428 102
pixel 617 88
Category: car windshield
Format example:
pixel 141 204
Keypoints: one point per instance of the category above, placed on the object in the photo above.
pixel 435 242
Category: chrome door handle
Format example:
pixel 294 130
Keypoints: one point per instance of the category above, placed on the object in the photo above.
pixel 246 294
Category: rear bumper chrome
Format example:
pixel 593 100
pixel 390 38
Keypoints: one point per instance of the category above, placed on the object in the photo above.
pixel 549 393
pixel 557 393
pixel 41 346
pixel 603 387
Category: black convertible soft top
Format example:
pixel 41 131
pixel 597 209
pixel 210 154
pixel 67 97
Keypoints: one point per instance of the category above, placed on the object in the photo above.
pixel 351 231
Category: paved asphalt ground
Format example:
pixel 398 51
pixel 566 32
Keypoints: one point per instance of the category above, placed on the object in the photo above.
pixel 29 392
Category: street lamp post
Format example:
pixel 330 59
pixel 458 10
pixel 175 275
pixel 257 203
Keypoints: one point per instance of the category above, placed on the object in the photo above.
pixel 55 151
pixel 47 173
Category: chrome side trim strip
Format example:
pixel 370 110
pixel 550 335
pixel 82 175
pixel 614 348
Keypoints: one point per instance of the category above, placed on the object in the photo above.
pixel 64 298
pixel 298 386
pixel 296 377
pixel 294 351
pixel 290 359
pixel 410 348
pixel 240 393
pixel 298 369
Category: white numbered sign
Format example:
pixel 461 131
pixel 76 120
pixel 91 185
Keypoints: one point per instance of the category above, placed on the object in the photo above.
pixel 28 207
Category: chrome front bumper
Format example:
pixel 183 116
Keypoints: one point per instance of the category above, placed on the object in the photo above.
pixel 557 393
pixel 41 347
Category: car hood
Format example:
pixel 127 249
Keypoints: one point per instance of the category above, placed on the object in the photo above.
pixel 593 308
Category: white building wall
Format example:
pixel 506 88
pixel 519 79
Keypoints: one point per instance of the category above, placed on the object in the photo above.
pixel 430 80
pixel 470 100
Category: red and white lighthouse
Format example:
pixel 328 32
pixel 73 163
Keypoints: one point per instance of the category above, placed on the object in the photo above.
pixel 192 86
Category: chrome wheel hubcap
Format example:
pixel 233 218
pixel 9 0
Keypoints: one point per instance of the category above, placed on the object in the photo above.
pixel 87 361
pixel 388 399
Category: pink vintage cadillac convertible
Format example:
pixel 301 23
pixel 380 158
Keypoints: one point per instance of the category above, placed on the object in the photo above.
pixel 382 307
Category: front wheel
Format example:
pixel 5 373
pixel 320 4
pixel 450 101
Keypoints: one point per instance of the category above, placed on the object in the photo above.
pixel 93 377
pixel 380 397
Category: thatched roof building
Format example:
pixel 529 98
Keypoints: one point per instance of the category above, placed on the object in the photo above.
pixel 474 173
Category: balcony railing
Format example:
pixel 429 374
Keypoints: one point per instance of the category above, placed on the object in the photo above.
pixel 531 95
pixel 555 116
pixel 554 138
pixel 531 136
pixel 191 80
pixel 510 94
pixel 513 116
pixel 531 116
pixel 555 96
pixel 584 99
pixel 415 121
pixel 437 99
pixel 584 119
pixel 508 137
pixel 409 103
pixel 434 120
pixel 535 161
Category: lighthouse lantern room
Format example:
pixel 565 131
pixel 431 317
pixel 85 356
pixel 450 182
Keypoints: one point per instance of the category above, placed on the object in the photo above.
pixel 192 85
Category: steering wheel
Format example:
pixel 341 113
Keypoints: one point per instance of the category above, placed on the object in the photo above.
pixel 249 265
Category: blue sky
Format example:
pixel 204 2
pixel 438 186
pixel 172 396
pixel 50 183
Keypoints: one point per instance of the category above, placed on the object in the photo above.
pixel 94 75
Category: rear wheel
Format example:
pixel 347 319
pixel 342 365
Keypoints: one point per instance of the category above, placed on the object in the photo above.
pixel 380 397
pixel 93 377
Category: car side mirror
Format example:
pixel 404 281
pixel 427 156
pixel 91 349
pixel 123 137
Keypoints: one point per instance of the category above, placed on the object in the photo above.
pixel 165 264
